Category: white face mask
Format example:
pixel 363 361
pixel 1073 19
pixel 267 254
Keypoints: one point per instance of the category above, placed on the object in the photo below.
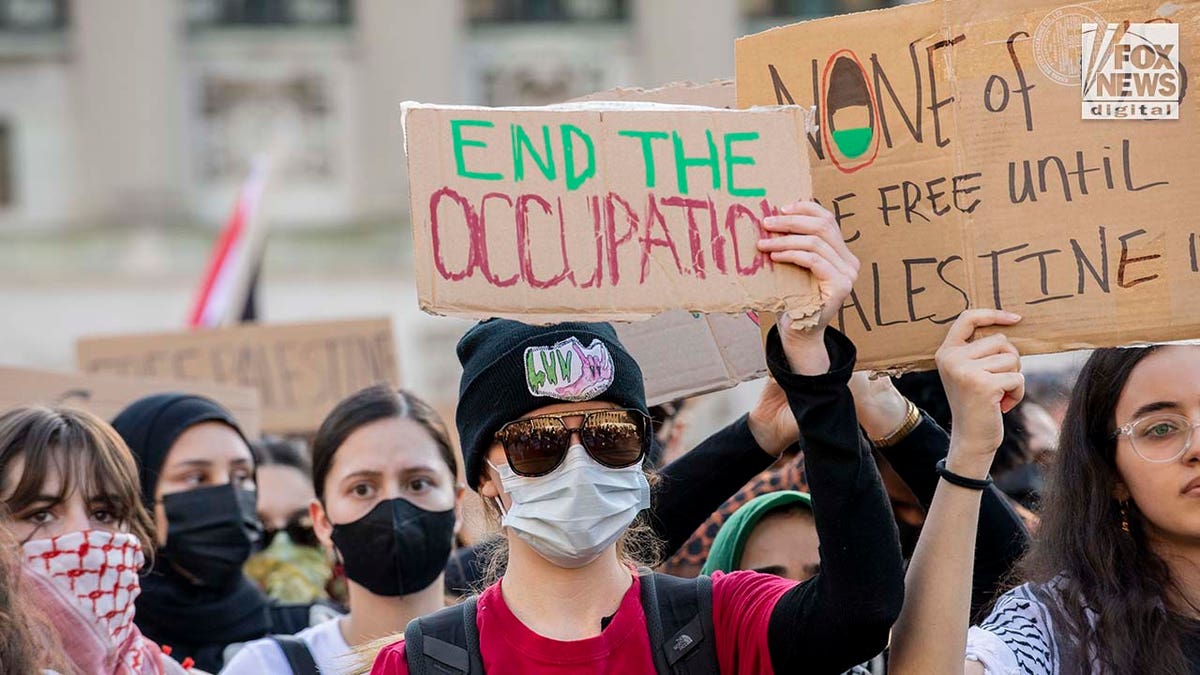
pixel 573 514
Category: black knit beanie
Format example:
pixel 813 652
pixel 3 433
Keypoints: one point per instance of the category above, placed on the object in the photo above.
pixel 510 369
pixel 152 424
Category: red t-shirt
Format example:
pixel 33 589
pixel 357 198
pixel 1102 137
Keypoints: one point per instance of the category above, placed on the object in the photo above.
pixel 742 604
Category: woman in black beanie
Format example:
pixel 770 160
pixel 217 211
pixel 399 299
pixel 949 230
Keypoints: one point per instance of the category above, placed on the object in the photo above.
pixel 197 479
pixel 554 431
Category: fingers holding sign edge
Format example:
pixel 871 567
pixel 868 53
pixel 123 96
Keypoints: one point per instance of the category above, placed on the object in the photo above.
pixel 996 343
pixel 807 217
pixel 993 352
pixel 1004 362
pixel 963 329
pixel 824 270
pixel 812 244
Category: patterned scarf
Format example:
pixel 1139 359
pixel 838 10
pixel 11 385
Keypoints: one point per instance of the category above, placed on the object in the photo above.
pixel 85 582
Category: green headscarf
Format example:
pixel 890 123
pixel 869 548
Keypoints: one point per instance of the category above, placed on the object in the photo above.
pixel 726 551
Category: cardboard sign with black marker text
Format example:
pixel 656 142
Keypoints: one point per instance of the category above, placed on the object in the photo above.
pixel 300 370
pixel 952 144
pixel 107 395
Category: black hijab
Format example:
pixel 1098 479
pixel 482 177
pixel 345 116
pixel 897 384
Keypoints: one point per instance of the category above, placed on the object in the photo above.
pixel 151 425
pixel 194 621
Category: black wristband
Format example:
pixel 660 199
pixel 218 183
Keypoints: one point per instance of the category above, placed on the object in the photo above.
pixel 961 481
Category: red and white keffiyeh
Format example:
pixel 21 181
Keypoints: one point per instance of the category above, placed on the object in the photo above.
pixel 85 582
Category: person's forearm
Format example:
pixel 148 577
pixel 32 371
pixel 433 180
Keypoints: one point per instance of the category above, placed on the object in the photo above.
pixel 1001 537
pixel 850 505
pixel 842 616
pixel 860 586
pixel 807 355
pixel 700 481
pixel 931 634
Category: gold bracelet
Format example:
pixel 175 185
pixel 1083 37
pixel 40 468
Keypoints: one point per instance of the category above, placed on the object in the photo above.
pixel 911 420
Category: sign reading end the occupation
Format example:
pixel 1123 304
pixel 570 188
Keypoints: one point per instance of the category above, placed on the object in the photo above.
pixel 603 210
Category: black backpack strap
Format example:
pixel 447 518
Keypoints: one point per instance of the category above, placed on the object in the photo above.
pixel 289 619
pixel 298 656
pixel 679 620
pixel 445 642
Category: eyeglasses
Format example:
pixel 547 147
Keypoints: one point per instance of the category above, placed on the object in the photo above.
pixel 299 529
pixel 1159 437
pixel 616 438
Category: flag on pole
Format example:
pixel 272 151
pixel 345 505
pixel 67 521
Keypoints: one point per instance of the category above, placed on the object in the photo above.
pixel 232 268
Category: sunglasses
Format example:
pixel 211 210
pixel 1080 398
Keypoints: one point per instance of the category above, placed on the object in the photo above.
pixel 299 529
pixel 615 438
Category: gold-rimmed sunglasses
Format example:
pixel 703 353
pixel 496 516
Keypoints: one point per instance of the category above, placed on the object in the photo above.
pixel 614 437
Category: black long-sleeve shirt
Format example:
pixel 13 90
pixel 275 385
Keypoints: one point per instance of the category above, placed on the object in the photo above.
pixel 692 487
pixel 1001 537
pixel 842 616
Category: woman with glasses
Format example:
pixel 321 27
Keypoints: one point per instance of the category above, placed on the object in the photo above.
pixel 554 432
pixel 1113 577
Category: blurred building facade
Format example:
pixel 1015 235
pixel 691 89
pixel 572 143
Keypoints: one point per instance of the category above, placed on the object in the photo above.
pixel 149 111
pixel 126 127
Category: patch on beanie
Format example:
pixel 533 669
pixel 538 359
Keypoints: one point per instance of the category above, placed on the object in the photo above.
pixel 569 371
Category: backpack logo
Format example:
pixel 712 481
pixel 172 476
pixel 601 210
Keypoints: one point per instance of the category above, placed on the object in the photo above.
pixel 569 371
pixel 682 643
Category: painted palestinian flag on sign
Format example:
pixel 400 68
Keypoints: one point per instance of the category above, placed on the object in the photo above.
pixel 849 124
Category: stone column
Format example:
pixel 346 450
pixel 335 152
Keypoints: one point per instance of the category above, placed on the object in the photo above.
pixel 685 39
pixel 126 57
pixel 405 51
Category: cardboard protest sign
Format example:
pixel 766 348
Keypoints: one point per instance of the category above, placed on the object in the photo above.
pixel 682 354
pixel 301 371
pixel 714 94
pixel 602 210
pixel 952 147
pixel 107 395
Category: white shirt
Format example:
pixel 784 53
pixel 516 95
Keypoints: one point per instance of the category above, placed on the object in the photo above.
pixel 1019 637
pixel 324 642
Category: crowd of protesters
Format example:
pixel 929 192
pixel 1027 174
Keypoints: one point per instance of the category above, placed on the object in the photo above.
pixel 928 523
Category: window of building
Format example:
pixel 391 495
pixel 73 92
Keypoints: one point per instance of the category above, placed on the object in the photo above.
pixel 239 111
pixel 808 9
pixel 505 11
pixel 32 16
pixel 268 13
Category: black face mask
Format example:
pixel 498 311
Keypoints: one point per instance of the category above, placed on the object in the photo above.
pixel 396 549
pixel 211 532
